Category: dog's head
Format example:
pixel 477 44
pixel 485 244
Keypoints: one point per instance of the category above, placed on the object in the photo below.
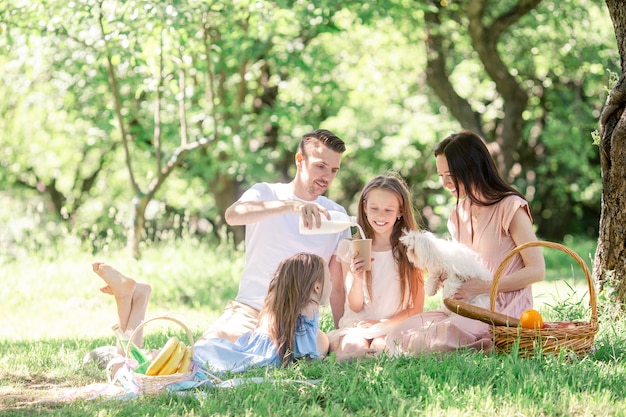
pixel 421 247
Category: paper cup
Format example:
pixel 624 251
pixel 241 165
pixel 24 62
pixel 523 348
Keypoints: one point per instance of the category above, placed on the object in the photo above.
pixel 363 247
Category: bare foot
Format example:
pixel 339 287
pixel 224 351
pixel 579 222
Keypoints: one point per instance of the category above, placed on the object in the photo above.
pixel 118 284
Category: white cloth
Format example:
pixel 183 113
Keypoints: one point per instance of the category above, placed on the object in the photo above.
pixel 384 302
pixel 270 241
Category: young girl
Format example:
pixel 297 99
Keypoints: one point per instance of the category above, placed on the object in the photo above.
pixel 393 290
pixel 288 326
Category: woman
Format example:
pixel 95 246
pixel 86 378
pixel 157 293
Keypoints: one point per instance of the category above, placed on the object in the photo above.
pixel 492 218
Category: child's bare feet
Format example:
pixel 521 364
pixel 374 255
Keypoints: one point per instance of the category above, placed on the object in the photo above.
pixel 118 284
pixel 142 293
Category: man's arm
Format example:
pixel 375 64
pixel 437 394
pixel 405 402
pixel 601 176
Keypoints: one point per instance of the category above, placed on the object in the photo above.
pixel 245 212
pixel 241 213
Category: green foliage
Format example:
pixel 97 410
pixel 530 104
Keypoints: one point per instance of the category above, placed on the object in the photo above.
pixel 251 77
pixel 561 265
pixel 565 186
pixel 573 306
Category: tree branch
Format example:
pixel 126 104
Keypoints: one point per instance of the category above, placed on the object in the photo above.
pixel 118 105
pixel 156 135
pixel 175 160
pixel 210 89
pixel 485 43
pixel 438 76
pixel 617 17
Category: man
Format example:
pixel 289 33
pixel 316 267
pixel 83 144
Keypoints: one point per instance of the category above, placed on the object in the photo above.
pixel 271 213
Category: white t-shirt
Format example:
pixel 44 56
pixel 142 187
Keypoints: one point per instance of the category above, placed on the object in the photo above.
pixel 270 241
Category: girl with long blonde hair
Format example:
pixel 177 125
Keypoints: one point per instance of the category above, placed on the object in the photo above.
pixel 393 290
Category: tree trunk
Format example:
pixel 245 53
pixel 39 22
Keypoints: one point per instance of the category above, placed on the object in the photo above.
pixel 610 260
pixel 485 37
pixel 225 190
pixel 485 33
pixel 137 229
pixel 438 76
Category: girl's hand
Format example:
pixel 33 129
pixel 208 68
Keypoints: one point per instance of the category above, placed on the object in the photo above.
pixel 356 266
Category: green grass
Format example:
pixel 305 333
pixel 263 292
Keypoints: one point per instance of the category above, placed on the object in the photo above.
pixel 560 265
pixel 54 314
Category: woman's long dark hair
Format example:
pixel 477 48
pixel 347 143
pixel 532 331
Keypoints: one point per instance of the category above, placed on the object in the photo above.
pixel 471 164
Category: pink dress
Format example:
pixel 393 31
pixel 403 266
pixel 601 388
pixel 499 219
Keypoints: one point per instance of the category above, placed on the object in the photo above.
pixel 486 231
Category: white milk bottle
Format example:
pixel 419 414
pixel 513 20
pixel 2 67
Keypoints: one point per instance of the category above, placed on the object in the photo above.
pixel 338 222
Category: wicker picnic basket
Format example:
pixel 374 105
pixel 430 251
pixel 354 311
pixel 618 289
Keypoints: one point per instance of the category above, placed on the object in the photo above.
pixel 578 338
pixel 155 384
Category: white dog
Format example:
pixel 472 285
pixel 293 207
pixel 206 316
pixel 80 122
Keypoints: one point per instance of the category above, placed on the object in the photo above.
pixel 448 263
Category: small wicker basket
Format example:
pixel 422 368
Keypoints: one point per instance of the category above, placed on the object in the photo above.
pixel 577 339
pixel 155 384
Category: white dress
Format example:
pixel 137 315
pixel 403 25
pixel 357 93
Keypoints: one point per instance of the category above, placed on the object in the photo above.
pixel 384 302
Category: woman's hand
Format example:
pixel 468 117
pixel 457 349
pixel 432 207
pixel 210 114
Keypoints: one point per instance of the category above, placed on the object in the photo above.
pixel 472 288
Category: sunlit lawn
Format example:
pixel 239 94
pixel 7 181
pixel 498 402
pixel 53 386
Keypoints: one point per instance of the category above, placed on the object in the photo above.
pixel 54 314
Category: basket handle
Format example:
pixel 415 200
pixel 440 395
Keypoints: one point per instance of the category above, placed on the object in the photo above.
pixel 554 245
pixel 143 323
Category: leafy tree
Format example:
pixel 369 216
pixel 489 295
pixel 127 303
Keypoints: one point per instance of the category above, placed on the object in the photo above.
pixel 525 101
pixel 176 78
pixel 178 106
pixel 222 63
pixel 37 130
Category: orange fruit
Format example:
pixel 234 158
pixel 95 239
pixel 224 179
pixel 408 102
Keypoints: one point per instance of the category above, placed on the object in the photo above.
pixel 531 319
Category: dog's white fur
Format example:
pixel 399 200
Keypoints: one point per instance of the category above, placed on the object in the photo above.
pixel 448 264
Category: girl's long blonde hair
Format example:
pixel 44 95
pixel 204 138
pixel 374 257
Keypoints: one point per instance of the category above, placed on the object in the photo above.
pixel 411 278
pixel 289 292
